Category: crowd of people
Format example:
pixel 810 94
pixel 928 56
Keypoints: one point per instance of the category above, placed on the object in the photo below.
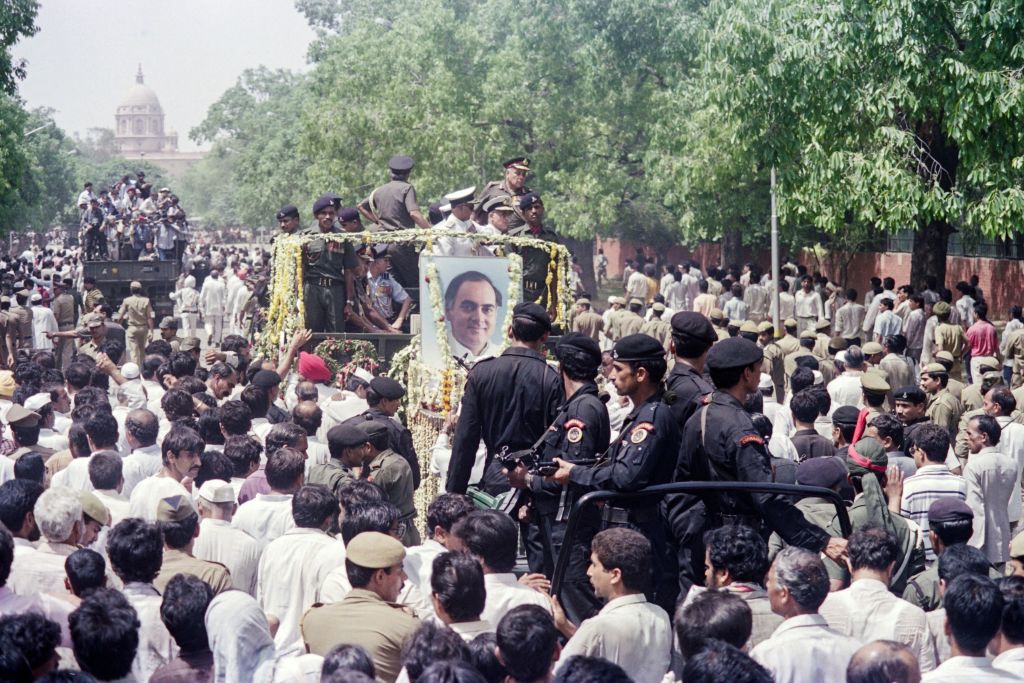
pixel 175 509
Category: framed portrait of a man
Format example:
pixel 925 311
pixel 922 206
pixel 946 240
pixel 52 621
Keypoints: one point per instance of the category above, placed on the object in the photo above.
pixel 475 296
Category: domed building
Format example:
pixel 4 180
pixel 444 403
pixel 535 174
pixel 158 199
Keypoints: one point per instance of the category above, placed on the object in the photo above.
pixel 139 131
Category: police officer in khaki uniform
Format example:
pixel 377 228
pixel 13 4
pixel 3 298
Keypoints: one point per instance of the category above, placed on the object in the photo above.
pixel 138 311
pixel 944 409
pixel 874 388
pixel 656 327
pixel 774 357
pixel 19 327
pixel 169 332
pixel 64 311
pixel 345 443
pixel 24 425
pixel 91 336
pixel 179 524
pixel 368 616
pixel 719 322
pixel 822 330
pixel 788 342
pixel 630 321
pixel 389 471
pixel 587 321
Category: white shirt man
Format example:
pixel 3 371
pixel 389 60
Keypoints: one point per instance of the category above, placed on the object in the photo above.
pixel 212 303
pixel 142 462
pixel 991 479
pixel 291 571
pixel 43 321
pixel 156 647
pixel 58 514
pixel 872 311
pixel 787 307
pixel 629 631
pixel 809 308
pixel 218 541
pixel 266 517
pixel 846 390
pixel 803 648
pixel 887 323
pixel 636 287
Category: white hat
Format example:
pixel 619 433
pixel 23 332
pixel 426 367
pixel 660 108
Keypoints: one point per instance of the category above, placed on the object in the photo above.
pixel 37 401
pixel 841 357
pixel 818 378
pixel 36 296
pixel 463 196
pixel 217 491
pixel 363 374
pixel 766 382
pixel 130 371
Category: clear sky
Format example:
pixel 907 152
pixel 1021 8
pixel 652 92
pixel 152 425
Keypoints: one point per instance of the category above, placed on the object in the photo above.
pixel 84 58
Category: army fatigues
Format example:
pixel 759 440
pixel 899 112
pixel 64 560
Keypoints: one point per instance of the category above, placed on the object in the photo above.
pixel 509 402
pixel 498 188
pixel 399 438
pixel 720 443
pixel 138 312
pixel 393 204
pixel 331 474
pixel 536 263
pixel 324 264
pixel 214 574
pixel 580 431
pixel 393 475
pixel 361 618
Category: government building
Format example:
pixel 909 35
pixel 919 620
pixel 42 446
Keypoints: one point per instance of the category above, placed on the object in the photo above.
pixel 139 131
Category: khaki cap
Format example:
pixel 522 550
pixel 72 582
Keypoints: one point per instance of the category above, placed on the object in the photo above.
pixel 749 327
pixel 765 326
pixel 837 343
pixel 935 369
pixel 94 507
pixel 871 348
pixel 20 416
pixel 636 302
pixel 135 285
pixel 986 362
pixel 941 308
pixel 822 325
pixel 874 382
pixel 7 383
pixel 582 302
pixel 808 334
pixel 174 509
pixel 92 320
pixel 946 356
pixel 190 344
pixel 168 323
pixel 659 307
pixel 789 322
pixel 374 550
pixel 717 314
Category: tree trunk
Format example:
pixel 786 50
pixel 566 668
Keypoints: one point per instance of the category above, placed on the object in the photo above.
pixel 929 255
pixel 732 245
pixel 584 251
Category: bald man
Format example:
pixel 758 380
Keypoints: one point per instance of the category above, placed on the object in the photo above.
pixel 883 660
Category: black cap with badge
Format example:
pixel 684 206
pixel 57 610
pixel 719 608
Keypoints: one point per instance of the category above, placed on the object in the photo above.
pixel 287 211
pixel 534 312
pixel 581 345
pixel 638 347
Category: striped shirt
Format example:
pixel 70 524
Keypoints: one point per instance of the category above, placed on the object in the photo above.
pixel 931 483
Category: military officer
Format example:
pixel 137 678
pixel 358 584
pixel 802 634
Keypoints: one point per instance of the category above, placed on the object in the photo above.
pixel 393 206
pixel 658 328
pixel 720 443
pixel 19 327
pixel 345 443
pixel 586 321
pixel 509 401
pixel 179 522
pixel 169 332
pixel 287 220
pixel 944 409
pixel 389 471
pixel 384 398
pixel 328 269
pixel 536 262
pixel 512 186
pixel 579 432
pixel 692 338
pixel 138 311
pixel 910 404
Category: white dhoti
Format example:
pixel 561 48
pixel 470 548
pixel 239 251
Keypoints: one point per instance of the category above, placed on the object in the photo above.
pixel 214 324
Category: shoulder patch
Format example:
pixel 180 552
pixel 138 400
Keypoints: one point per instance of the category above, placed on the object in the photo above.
pixel 706 399
pixel 640 432
pixel 751 438
pixel 575 422
pixel 574 435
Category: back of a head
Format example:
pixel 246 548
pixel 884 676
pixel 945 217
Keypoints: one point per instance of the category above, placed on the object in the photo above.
pixel 86 571
pixel 244 453
pixel 447 509
pixel 713 615
pixel 183 609
pixel 527 638
pixel 883 661
pixel 957 560
pixel 57 511
pixel 28 641
pixel 450 672
pixel 313 506
pixel 491 536
pixel 933 439
pixel 1012 588
pixel 30 467
pixel 974 611
pixel 803 574
pixel 105 634
pixel 739 549
pixel 348 658
pixel 284 434
pixel 484 652
pixel 135 548
pixel 378 516
pixel 105 471
pixel 581 669
pixel 18 498
pixel 457 581
pixel 358 491
pixel 430 643
pixel 719 662
pixel 872 547
pixel 285 468
pixel 855 358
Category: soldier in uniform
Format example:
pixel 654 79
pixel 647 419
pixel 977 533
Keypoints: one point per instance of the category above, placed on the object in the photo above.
pixel 536 262
pixel 950 521
pixel 658 328
pixel 874 389
pixel 511 187
pixel 327 269
pixel 774 357
pixel 720 443
pixel 93 296
pixel 169 332
pixel 630 321
pixel 393 206
pixel 179 524
pixel 64 311
pixel 910 404
pixel 345 442
pixel 586 321
pixel 509 401
pixel 138 311
pixel 788 342
pixel 389 471
pixel 955 386
pixel 822 330
pixel 579 432
pixel 944 409
pixel 384 398
pixel 692 338
pixel 287 220
pixel 720 323
pixel 19 327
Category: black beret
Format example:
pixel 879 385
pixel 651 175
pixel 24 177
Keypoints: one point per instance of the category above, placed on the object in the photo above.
pixel 638 347
pixel 949 509
pixel 734 352
pixel 387 387
pixel 695 325
pixel 583 343
pixel 534 312
pixel 401 163
pixel 845 415
pixel 529 199
pixel 346 436
pixel 910 394
pixel 322 203
pixel 287 211
pixel 266 379
pixel 372 428
pixel 348 215
pixel 824 472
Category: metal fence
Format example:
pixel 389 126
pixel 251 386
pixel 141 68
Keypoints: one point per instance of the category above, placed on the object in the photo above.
pixel 985 247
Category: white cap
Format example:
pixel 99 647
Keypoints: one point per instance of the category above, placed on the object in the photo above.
pixel 766 382
pixel 130 371
pixel 841 357
pixel 818 378
pixel 217 491
pixel 462 196
pixel 37 401
pixel 36 296
pixel 363 374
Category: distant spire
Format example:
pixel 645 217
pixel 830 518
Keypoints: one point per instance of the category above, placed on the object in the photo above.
pixel 138 76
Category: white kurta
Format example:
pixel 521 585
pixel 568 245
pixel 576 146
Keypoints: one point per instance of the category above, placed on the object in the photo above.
pixel 266 517
pixel 504 592
pixel 629 631
pixel 1011 443
pixel 147 496
pixel 804 649
pixel 41 571
pixel 139 464
pixel 963 669
pixel 218 541
pixel 156 647
pixel 291 571
pixel 43 321
pixel 991 478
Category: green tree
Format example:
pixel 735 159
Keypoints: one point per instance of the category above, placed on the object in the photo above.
pixel 17 21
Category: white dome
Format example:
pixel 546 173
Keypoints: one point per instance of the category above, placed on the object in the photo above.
pixel 140 98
